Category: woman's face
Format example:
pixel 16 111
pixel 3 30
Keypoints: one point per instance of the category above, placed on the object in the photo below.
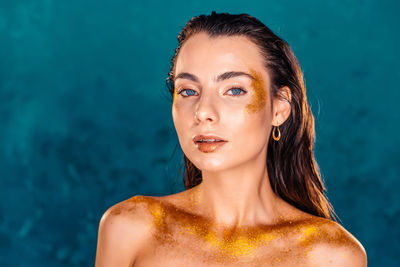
pixel 221 89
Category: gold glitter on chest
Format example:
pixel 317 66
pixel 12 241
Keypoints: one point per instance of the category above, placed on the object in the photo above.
pixel 233 244
pixel 182 230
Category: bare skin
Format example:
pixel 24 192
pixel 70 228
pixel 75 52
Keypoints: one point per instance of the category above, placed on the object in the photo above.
pixel 168 231
pixel 233 218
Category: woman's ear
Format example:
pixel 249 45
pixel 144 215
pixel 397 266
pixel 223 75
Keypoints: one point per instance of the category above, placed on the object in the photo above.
pixel 281 106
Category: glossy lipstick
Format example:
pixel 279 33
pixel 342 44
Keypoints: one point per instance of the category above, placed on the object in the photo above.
pixel 208 143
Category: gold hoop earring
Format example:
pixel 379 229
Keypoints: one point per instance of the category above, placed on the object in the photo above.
pixel 276 138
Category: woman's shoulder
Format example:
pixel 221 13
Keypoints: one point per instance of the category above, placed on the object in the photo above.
pixel 141 209
pixel 124 229
pixel 129 211
pixel 135 211
pixel 333 245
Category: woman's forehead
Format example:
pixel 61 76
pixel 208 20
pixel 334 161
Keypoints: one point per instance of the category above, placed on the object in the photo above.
pixel 200 53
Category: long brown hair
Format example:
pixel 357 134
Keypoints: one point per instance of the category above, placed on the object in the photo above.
pixel 293 172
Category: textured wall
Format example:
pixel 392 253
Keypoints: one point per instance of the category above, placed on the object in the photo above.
pixel 85 119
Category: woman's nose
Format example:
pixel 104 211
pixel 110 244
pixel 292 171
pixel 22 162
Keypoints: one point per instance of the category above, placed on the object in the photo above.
pixel 206 109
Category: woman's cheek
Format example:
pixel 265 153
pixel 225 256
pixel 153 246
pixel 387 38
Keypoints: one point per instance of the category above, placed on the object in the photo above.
pixel 183 117
pixel 259 96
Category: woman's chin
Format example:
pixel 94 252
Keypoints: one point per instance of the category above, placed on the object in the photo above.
pixel 211 165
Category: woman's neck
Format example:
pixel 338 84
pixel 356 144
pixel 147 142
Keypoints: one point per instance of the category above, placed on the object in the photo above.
pixel 239 196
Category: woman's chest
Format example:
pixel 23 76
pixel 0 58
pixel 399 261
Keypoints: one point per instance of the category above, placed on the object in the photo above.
pixel 199 246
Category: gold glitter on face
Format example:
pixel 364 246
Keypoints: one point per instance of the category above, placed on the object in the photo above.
pixel 259 98
pixel 174 97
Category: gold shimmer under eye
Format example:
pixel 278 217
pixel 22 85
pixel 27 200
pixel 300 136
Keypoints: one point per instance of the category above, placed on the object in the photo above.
pixel 174 97
pixel 259 98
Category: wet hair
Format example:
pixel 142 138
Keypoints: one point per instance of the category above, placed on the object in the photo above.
pixel 292 169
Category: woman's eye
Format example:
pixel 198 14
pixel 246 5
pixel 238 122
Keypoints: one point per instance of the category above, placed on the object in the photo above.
pixel 191 92
pixel 236 91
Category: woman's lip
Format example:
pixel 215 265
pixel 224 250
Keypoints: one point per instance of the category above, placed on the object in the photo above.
pixel 207 147
pixel 205 137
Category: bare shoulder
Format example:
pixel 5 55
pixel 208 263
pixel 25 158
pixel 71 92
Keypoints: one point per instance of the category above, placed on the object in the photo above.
pixel 336 247
pixel 124 229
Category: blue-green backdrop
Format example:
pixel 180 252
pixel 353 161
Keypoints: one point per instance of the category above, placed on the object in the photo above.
pixel 85 121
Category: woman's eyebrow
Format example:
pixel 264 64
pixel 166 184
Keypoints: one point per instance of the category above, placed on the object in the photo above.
pixel 221 77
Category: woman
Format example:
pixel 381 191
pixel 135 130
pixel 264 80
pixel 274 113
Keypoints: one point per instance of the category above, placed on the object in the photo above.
pixel 254 192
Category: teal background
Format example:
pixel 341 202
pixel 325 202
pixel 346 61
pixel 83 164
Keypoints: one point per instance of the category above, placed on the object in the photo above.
pixel 85 118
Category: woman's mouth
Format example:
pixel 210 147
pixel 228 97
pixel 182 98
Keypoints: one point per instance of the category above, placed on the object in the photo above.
pixel 207 144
